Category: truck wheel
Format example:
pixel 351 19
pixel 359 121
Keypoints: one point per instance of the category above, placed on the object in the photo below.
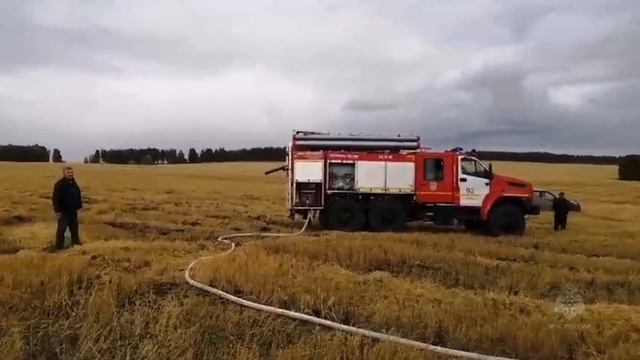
pixel 387 215
pixel 345 215
pixel 506 219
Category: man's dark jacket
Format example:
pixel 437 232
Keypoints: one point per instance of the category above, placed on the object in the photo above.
pixel 561 206
pixel 66 197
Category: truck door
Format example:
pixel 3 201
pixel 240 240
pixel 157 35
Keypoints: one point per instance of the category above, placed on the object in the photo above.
pixel 434 178
pixel 474 182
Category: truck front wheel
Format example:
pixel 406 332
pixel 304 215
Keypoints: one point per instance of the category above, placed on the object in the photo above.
pixel 345 215
pixel 506 219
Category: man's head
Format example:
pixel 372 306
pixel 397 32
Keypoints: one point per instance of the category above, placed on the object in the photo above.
pixel 67 172
pixel 561 195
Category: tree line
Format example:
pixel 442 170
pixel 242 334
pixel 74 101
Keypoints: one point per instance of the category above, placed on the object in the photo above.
pixel 547 157
pixel 278 154
pixel 150 156
pixel 629 166
pixel 20 153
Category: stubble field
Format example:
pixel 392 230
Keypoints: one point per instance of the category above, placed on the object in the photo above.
pixel 122 294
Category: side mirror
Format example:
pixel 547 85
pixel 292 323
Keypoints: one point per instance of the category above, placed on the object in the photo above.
pixel 491 171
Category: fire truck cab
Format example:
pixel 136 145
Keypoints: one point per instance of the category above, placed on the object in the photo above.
pixel 380 183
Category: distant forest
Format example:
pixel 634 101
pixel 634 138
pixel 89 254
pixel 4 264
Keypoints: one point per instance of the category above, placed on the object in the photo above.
pixel 152 156
pixel 33 153
pixel 546 157
pixel 38 153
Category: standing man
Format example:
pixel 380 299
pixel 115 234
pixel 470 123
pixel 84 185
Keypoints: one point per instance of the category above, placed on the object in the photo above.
pixel 561 208
pixel 67 200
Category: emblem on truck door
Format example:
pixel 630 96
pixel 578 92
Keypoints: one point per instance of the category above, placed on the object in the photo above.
pixel 433 185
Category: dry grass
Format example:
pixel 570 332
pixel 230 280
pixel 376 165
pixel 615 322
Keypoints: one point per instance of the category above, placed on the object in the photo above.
pixel 122 294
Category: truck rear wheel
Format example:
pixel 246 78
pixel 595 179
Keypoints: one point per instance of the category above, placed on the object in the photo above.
pixel 345 215
pixel 387 215
pixel 506 219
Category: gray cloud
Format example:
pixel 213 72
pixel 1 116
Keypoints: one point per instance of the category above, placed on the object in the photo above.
pixel 367 105
pixel 536 75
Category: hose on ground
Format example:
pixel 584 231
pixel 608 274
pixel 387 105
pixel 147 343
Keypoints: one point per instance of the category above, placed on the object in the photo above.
pixel 226 239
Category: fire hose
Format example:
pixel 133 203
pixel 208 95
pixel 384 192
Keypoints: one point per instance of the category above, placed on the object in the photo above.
pixel 226 239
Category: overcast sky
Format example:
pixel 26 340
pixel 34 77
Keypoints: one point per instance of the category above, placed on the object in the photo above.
pixel 522 75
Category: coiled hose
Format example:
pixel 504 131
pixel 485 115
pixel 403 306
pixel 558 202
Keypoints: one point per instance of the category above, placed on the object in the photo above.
pixel 226 239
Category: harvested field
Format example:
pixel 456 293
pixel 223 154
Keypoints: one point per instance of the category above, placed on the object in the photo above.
pixel 122 294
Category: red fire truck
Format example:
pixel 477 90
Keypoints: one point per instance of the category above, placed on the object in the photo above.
pixel 380 183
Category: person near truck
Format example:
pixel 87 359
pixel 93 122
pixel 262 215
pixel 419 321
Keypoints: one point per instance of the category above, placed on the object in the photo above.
pixel 561 208
pixel 67 200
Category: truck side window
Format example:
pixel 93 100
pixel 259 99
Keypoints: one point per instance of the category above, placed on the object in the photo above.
pixel 433 169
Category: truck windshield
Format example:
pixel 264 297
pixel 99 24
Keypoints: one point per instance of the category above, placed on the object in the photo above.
pixel 473 167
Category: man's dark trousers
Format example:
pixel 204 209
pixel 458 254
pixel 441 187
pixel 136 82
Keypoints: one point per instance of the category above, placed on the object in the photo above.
pixel 68 219
pixel 559 221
